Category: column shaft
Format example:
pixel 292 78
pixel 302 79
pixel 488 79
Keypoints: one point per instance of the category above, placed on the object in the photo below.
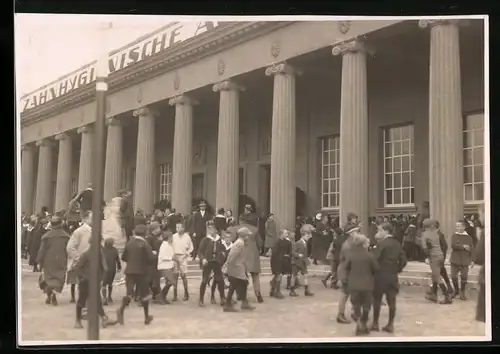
pixel 182 176
pixel 445 126
pixel 145 164
pixel 64 172
pixel 283 157
pixel 85 170
pixel 114 159
pixel 44 176
pixel 27 179
pixel 353 132
pixel 227 196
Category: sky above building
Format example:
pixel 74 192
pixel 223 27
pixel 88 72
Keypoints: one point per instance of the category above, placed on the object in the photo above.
pixel 48 46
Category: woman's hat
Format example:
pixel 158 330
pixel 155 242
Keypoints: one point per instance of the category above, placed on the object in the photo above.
pixel 55 222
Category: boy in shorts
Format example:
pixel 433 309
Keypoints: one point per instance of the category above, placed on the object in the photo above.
pixel 183 247
pixel 300 261
pixel 166 267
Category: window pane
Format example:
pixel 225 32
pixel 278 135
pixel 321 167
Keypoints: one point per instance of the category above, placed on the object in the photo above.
pixel 337 185
pixel 325 186
pixel 397 196
pixel 468 139
pixel 412 195
pixel 406 180
pixel 325 200
pixel 388 181
pixel 405 132
pixel 337 169
pixel 388 165
pixel 388 196
pixel 397 149
pixel 406 163
pixel 332 171
pixel 388 150
pixel 479 191
pixel 468 157
pixel 396 134
pixel 397 180
pixel 478 156
pixel 406 196
pixel 468 192
pixel 325 172
pixel 325 158
pixel 478 174
pixel 397 164
pixel 406 147
pixel 334 200
pixel 332 186
pixel 479 137
pixel 468 175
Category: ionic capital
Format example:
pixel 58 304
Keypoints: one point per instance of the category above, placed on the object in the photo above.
pixel 352 46
pixel 44 142
pixel 145 112
pixel 85 129
pixel 62 136
pixel 227 86
pixel 113 121
pixel 440 22
pixel 282 69
pixel 27 147
pixel 182 100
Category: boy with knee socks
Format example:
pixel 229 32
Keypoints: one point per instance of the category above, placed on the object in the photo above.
pixel 461 259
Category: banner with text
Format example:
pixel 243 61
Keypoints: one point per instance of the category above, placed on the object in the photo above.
pixel 141 49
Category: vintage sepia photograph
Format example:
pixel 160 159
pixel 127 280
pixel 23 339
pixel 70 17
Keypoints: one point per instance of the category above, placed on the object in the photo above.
pixel 252 179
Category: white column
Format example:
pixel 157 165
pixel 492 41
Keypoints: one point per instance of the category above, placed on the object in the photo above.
pixel 85 170
pixel 227 192
pixel 64 172
pixel 283 156
pixel 113 172
pixel 353 131
pixel 27 178
pixel 182 175
pixel 145 164
pixel 445 125
pixel 44 176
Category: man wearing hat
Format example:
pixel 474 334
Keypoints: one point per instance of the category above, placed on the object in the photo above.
pixel 52 258
pixel 199 227
pixel 349 232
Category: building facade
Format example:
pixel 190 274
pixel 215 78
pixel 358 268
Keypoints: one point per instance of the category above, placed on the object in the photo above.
pixel 372 117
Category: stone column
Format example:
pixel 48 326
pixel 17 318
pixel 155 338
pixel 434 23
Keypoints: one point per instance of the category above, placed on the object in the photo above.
pixel 283 145
pixel 44 176
pixel 353 131
pixel 64 172
pixel 445 125
pixel 85 171
pixel 228 147
pixel 27 178
pixel 144 189
pixel 113 173
pixel 182 175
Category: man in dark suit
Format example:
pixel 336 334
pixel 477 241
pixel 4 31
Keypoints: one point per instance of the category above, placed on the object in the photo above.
pixel 392 260
pixel 199 227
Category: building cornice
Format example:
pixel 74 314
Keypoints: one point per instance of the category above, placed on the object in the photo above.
pixel 222 37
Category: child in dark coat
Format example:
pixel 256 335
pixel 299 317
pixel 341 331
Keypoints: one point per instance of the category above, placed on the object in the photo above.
pixel 227 243
pixel 360 268
pixel 281 256
pixel 300 261
pixel 113 264
pixel 462 246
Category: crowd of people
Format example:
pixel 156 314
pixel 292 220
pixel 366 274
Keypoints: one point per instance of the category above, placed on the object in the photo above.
pixel 363 261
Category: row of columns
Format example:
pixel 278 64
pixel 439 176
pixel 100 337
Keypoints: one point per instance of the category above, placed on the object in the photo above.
pixel 445 134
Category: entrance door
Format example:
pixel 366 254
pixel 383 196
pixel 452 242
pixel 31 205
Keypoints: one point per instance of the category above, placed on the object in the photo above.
pixel 198 185
pixel 265 189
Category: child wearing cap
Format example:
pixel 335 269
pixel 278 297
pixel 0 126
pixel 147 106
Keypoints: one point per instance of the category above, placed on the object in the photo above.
pixel 360 268
pixel 300 261
pixel 281 262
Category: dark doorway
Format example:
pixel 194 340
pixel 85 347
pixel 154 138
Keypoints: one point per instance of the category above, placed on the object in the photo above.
pixel 265 189
pixel 198 185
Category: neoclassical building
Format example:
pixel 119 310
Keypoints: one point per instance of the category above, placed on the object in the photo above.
pixel 371 116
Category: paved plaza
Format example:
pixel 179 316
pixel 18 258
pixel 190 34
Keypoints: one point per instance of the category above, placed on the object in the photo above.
pixel 289 318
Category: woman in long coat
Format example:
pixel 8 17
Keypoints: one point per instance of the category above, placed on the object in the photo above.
pixel 252 257
pixel 53 259
pixel 321 240
pixel 34 240
pixel 271 233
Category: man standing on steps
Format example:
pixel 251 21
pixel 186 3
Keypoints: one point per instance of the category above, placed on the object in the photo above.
pixel 199 226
